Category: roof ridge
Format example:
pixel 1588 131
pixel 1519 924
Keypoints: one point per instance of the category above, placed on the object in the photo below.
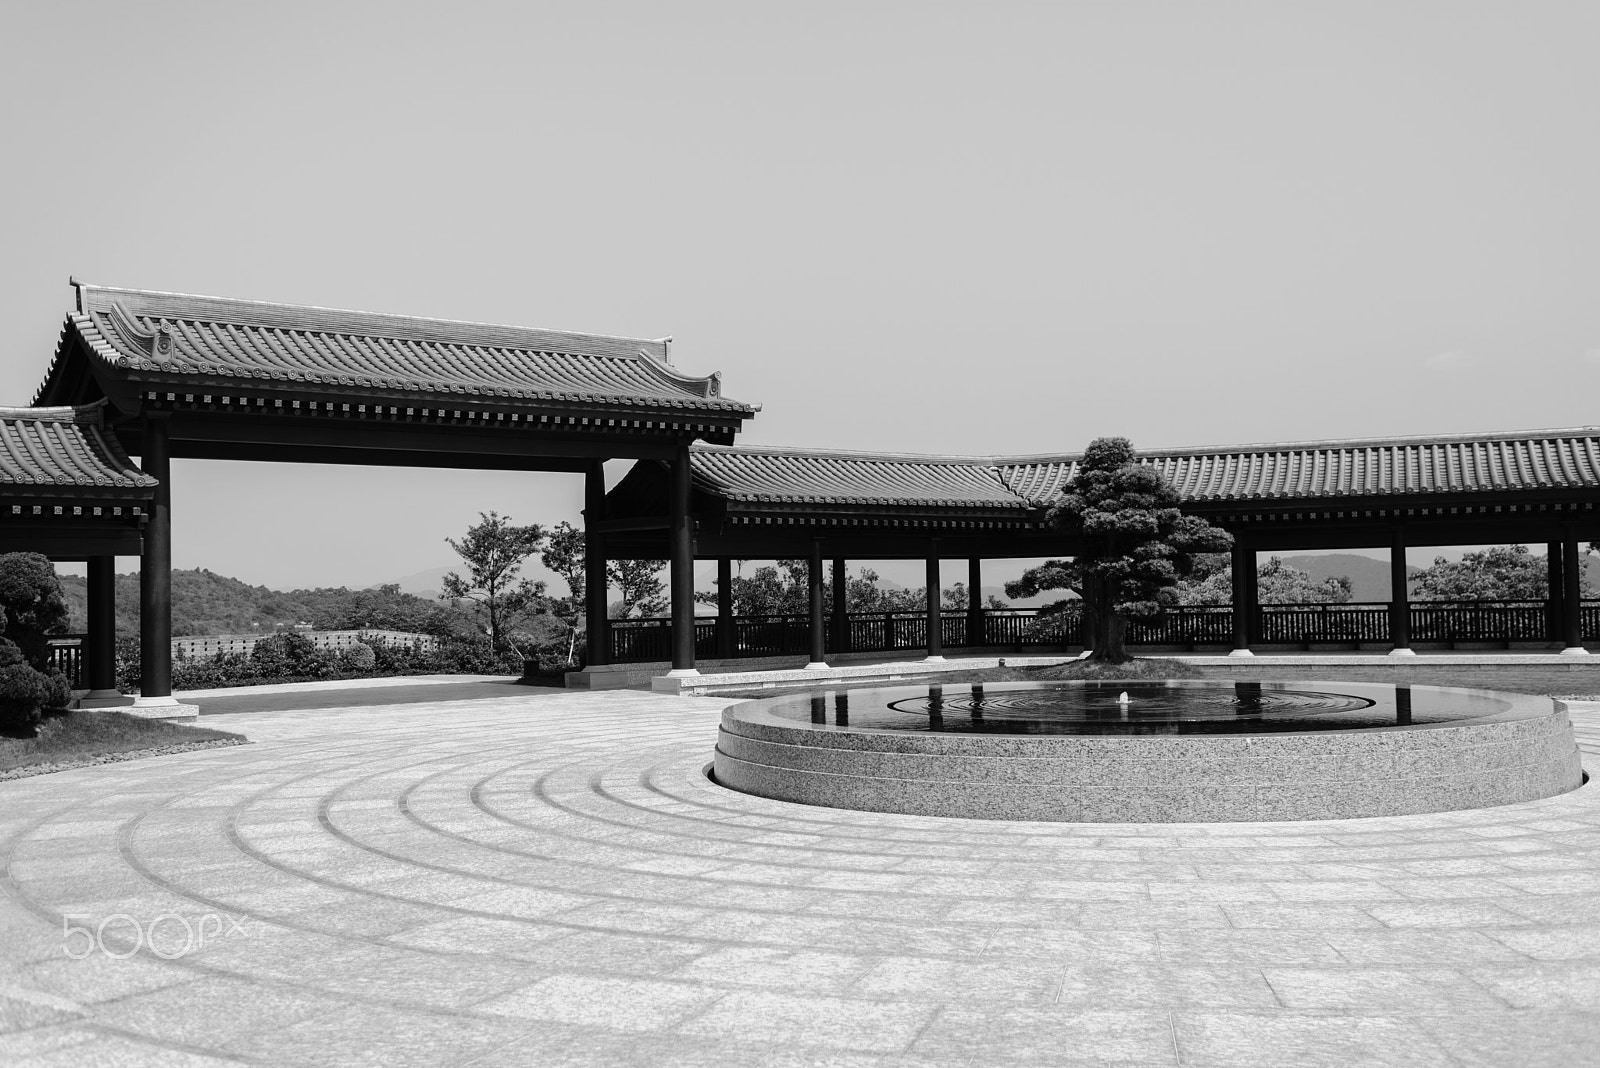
pixel 847 454
pixel 1371 443
pixel 1002 460
pixel 91 413
pixel 91 297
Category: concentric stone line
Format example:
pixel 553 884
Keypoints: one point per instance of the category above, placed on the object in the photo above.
pixel 553 880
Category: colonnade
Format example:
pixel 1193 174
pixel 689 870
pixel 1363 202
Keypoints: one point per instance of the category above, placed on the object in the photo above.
pixel 1565 564
pixel 155 586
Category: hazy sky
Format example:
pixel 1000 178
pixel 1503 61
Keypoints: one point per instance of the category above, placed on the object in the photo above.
pixel 1006 227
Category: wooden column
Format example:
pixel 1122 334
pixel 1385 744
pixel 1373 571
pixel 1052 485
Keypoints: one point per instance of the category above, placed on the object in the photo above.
pixel 841 607
pixel 155 571
pixel 1244 568
pixel 975 635
pixel 100 645
pixel 726 644
pixel 1555 590
pixel 1252 581
pixel 596 628
pixel 1399 596
pixel 1571 594
pixel 935 639
pixel 819 622
pixel 681 534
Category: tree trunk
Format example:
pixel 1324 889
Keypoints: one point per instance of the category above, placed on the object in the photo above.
pixel 494 624
pixel 1107 630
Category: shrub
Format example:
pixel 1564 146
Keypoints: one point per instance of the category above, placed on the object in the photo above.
pixel 24 692
pixel 128 654
pixel 30 595
pixel 58 692
pixel 290 655
pixel 224 669
pixel 360 658
pixel 399 659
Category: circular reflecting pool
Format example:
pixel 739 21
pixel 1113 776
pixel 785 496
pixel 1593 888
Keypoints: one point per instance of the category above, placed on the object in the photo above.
pixel 1178 707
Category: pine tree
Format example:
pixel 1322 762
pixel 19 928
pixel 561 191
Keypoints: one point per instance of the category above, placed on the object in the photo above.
pixel 1134 545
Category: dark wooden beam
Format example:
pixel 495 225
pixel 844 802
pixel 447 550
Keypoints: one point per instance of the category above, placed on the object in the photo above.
pixel 100 648
pixel 1572 594
pixel 596 635
pixel 236 436
pixel 818 631
pixel 1244 565
pixel 1399 593
pixel 682 562
pixel 841 607
pixel 725 623
pixel 66 541
pixel 975 601
pixel 155 571
pixel 1555 589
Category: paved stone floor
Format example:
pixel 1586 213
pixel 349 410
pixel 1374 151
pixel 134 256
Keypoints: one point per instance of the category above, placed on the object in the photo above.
pixel 549 879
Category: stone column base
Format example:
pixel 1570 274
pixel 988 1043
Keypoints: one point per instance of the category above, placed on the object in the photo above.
pixel 160 708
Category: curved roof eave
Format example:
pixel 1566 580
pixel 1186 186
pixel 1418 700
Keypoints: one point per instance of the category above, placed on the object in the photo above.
pixel 150 338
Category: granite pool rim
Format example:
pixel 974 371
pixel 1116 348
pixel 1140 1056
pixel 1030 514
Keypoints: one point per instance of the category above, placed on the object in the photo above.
pixel 1524 751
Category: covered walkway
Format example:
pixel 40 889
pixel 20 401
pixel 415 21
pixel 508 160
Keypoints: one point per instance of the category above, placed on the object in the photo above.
pixel 831 507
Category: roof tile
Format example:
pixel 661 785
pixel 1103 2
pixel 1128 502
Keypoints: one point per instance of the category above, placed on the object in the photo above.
pixel 171 336
pixel 66 452
pixel 1528 461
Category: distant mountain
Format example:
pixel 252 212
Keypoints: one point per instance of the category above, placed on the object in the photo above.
pixel 426 584
pixel 1369 578
pixel 205 603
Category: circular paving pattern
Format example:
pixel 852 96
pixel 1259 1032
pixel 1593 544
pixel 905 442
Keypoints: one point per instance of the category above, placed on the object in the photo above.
pixel 553 880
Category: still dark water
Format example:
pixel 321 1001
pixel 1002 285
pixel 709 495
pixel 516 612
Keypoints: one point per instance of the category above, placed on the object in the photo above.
pixel 1151 708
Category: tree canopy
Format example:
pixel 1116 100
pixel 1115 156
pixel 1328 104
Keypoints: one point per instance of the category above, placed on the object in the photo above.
pixel 1499 573
pixel 781 588
pixel 494 550
pixel 1134 545
pixel 1211 582
pixel 640 591
pixel 31 600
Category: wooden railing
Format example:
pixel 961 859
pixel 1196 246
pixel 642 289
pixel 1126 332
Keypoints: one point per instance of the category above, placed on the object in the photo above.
pixel 1186 626
pixel 65 654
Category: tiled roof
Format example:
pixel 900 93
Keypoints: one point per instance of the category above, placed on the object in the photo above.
pixel 1493 463
pixel 810 476
pixel 48 452
pixel 1489 463
pixel 176 338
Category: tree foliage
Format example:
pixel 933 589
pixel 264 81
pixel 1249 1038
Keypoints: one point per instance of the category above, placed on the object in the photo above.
pixel 1211 582
pixel 30 597
pixel 1134 545
pixel 564 553
pixel 782 589
pixel 494 550
pixel 1499 573
pixel 641 593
